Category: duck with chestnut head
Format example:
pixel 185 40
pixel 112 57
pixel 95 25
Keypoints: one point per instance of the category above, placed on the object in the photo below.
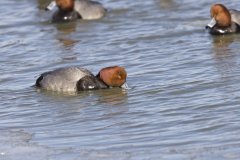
pixel 224 20
pixel 69 10
pixel 73 79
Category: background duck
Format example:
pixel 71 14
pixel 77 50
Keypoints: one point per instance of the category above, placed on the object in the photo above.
pixel 223 20
pixel 72 79
pixel 76 9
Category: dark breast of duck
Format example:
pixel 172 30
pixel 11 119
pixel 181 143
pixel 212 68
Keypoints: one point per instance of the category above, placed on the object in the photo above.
pixel 64 16
pixel 90 82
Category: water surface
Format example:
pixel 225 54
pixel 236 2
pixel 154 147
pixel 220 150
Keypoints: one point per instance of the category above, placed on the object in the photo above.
pixel 184 97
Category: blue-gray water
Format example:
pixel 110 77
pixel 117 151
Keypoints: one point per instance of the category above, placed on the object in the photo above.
pixel 184 101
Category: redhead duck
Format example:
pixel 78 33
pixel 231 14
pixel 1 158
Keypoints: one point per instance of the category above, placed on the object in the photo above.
pixel 223 20
pixel 73 79
pixel 73 9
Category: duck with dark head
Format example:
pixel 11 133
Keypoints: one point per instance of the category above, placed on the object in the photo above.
pixel 69 10
pixel 223 21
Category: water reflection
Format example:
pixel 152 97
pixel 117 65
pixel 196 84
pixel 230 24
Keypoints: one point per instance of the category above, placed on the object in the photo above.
pixel 167 4
pixel 66 28
pixel 112 97
pixel 223 41
pixel 221 46
pixel 64 34
pixel 226 60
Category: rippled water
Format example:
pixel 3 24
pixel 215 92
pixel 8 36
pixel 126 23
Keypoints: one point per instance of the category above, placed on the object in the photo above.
pixel 184 98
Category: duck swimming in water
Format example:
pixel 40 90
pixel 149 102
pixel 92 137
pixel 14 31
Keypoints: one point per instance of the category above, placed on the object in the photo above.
pixel 223 21
pixel 76 9
pixel 73 79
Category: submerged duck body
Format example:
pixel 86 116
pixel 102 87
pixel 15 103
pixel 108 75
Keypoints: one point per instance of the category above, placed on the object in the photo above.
pixel 72 79
pixel 76 9
pixel 223 21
